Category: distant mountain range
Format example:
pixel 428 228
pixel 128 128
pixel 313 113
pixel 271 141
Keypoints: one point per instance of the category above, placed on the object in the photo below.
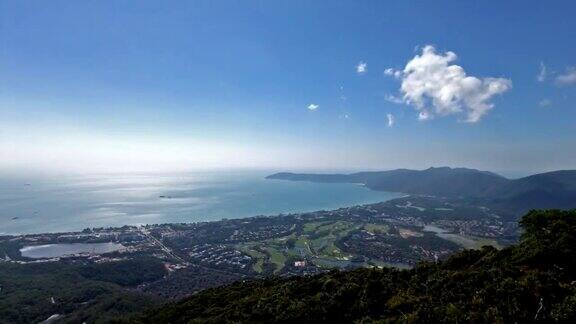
pixel 555 189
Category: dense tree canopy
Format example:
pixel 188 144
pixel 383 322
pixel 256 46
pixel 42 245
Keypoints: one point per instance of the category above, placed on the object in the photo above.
pixel 33 292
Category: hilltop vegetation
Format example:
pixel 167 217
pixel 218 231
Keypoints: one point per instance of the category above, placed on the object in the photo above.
pixel 32 293
pixel 531 281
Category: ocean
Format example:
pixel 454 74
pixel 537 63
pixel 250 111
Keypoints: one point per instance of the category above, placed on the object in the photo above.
pixel 72 203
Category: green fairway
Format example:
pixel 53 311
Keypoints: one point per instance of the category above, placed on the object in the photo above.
pixel 259 256
pixel 316 241
pixel 276 257
pixel 376 228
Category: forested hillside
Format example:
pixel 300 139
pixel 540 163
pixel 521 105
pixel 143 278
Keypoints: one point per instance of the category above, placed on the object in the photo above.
pixel 555 189
pixel 84 293
pixel 534 281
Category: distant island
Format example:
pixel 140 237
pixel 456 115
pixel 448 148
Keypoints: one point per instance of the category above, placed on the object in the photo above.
pixel 555 189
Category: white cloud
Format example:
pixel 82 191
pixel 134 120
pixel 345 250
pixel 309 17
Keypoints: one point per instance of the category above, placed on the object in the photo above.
pixel 569 77
pixel 393 99
pixel 437 88
pixel 361 68
pixel 392 72
pixel 543 73
pixel 423 115
pixel 545 102
pixel 313 107
pixel 391 120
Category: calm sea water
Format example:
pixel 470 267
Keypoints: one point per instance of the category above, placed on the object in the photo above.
pixel 72 203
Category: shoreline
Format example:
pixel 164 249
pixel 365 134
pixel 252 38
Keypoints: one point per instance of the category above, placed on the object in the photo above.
pixel 199 222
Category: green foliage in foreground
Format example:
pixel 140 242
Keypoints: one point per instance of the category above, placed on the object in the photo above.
pixel 85 293
pixel 531 282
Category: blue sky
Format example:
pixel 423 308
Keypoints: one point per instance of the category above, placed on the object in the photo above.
pixel 126 85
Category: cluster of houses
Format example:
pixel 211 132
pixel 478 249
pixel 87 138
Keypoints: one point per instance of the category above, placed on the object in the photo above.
pixel 219 255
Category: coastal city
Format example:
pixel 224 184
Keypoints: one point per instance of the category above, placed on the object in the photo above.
pixel 397 233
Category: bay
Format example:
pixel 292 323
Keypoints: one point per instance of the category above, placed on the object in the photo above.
pixel 72 203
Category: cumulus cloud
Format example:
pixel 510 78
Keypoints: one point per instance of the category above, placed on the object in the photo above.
pixel 391 120
pixel 435 87
pixel 569 77
pixel 313 107
pixel 543 73
pixel 361 68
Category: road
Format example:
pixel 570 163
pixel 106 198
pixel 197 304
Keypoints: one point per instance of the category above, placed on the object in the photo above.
pixel 164 248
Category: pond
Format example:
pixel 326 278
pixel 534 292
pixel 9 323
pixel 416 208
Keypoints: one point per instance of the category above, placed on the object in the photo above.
pixel 468 242
pixel 59 250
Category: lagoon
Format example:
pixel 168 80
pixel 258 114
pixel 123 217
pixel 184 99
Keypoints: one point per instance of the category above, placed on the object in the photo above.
pixel 60 250
pixel 467 242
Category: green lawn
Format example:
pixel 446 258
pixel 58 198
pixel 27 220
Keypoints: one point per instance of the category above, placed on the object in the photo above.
pixel 259 256
pixel 313 227
pixel 377 228
pixel 276 257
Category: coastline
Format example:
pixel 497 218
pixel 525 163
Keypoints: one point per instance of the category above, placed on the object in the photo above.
pixel 149 199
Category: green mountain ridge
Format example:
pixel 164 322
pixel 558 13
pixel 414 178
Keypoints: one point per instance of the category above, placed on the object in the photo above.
pixel 556 189
pixel 534 281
